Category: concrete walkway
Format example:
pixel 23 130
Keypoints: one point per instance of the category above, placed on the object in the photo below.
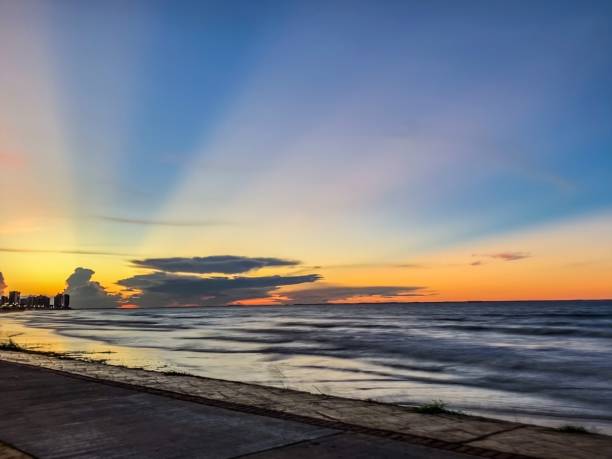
pixel 199 413
pixel 50 415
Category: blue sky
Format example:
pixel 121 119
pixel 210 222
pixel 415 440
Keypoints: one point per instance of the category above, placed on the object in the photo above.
pixel 401 127
pixel 520 93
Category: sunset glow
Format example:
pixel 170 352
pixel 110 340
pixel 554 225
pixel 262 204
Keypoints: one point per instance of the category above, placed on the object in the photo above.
pixel 477 165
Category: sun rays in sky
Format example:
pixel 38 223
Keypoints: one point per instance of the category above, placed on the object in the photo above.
pixel 394 152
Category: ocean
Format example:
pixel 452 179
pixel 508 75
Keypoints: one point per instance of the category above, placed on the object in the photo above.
pixel 547 363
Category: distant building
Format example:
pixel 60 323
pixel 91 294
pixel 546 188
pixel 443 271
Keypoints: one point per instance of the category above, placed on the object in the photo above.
pixel 57 301
pixel 61 301
pixel 16 301
pixel 14 297
pixel 41 301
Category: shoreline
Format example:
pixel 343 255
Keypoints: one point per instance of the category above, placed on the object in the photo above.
pixel 27 309
pixel 289 305
pixel 45 337
pixel 445 430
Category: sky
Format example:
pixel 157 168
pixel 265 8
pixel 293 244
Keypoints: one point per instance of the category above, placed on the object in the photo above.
pixel 160 153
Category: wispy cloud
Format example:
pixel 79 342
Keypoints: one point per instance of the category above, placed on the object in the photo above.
pixel 503 256
pixel 153 222
pixel 412 265
pixel 225 264
pixel 68 252
pixel 337 293
pixel 507 256
pixel 372 265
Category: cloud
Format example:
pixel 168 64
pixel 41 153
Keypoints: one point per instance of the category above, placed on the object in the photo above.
pixel 68 252
pixel 159 289
pixel 333 293
pixel 375 265
pixel 85 293
pixel 225 264
pixel 180 281
pixel 149 222
pixel 412 265
pixel 508 256
pixel 3 284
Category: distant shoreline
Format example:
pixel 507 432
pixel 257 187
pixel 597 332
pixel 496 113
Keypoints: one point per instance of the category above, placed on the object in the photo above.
pixel 398 303
pixel 20 309
pixel 449 302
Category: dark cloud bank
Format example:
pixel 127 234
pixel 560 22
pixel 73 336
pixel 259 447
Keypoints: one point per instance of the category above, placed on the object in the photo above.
pixel 225 264
pixel 169 289
pixel 216 281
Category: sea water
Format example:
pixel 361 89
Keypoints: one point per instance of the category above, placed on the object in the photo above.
pixel 547 363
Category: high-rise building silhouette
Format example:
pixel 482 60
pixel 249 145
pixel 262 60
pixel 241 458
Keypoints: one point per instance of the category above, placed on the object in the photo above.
pixel 14 297
pixel 61 301
pixel 41 301
pixel 57 301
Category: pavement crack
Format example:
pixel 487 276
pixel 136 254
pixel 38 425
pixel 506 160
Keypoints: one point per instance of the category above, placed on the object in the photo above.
pixel 287 445
pixel 485 436
pixel 323 415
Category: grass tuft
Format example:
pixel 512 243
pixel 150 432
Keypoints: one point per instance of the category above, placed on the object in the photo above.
pixel 573 429
pixel 176 373
pixel 11 345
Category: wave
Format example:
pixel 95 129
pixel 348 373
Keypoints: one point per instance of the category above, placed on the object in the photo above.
pixel 535 356
pixel 535 331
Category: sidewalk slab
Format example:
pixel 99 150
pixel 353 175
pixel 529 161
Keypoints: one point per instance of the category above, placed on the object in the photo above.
pixel 54 416
pixel 548 443
pixel 354 446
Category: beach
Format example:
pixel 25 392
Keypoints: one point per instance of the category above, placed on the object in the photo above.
pixel 537 363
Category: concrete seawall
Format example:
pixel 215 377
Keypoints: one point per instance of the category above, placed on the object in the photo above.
pixel 290 423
